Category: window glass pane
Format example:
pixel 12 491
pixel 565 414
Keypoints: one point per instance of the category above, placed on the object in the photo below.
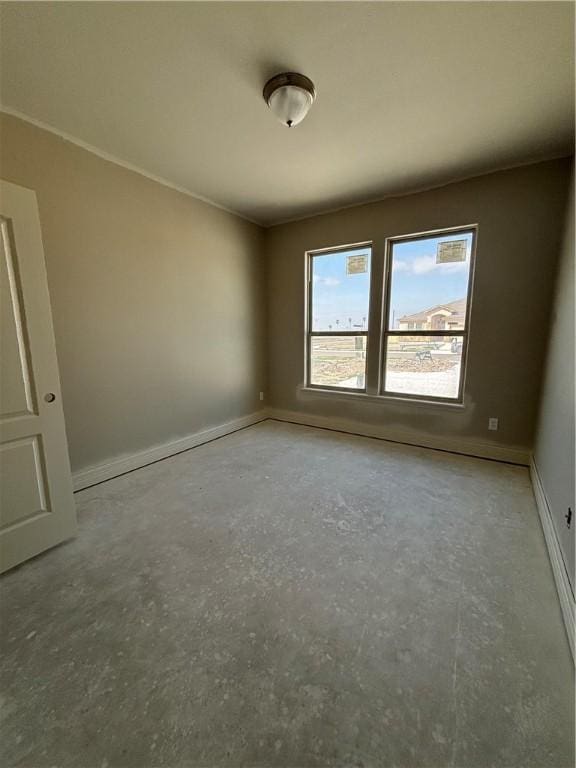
pixel 338 361
pixel 340 290
pixel 429 283
pixel 423 365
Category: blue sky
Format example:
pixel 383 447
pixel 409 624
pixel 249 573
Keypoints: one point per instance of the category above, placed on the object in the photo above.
pixel 338 296
pixel 418 282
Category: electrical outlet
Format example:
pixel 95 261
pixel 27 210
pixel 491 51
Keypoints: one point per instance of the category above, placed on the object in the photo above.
pixel 261 395
pixel 493 423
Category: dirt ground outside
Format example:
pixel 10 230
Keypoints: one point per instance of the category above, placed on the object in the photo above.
pixel 417 369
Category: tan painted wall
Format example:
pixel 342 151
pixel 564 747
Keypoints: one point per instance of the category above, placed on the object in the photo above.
pixel 519 213
pixel 157 298
pixel 554 452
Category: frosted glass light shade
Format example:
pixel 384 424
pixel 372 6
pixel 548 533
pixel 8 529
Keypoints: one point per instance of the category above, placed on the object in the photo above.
pixel 289 96
pixel 290 104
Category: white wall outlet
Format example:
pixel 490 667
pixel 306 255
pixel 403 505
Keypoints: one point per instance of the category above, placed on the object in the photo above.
pixel 261 395
pixel 493 423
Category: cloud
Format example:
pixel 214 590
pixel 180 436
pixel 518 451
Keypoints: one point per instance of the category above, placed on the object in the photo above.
pixel 421 265
pixel 329 282
pixel 400 266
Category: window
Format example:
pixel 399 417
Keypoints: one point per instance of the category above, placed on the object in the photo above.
pixel 425 300
pixel 338 300
pixel 425 333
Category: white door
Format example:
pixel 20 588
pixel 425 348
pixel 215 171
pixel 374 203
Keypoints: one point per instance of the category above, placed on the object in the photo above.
pixel 36 501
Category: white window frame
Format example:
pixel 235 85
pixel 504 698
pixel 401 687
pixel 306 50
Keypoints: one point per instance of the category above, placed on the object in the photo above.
pixel 386 331
pixel 310 334
pixel 374 382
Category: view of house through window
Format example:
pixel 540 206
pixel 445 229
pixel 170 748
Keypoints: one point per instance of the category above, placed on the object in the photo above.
pixel 339 295
pixel 426 314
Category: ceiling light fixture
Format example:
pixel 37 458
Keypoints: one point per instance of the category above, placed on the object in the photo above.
pixel 290 96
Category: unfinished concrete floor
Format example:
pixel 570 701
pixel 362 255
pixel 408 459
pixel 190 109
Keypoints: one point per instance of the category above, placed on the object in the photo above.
pixel 287 596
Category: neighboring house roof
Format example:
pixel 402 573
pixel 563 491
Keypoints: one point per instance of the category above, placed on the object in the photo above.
pixel 456 308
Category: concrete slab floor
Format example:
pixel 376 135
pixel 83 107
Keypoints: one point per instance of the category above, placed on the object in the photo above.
pixel 288 596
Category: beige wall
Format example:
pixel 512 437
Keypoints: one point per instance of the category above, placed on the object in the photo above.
pixel 519 213
pixel 157 299
pixel 554 452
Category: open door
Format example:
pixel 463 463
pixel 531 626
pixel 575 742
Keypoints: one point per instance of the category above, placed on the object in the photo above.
pixel 36 500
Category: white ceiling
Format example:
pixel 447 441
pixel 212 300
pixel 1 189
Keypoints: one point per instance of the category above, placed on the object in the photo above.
pixel 409 94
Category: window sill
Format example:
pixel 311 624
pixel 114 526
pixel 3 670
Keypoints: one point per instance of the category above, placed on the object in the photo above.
pixel 365 397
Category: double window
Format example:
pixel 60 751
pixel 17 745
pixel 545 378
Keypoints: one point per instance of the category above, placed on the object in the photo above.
pixel 422 336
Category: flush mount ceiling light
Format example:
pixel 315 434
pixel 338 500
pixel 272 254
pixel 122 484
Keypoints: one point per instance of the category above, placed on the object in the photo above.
pixel 289 96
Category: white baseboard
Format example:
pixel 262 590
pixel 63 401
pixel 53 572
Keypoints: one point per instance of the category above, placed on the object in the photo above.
pixel 563 588
pixel 420 439
pixel 119 466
